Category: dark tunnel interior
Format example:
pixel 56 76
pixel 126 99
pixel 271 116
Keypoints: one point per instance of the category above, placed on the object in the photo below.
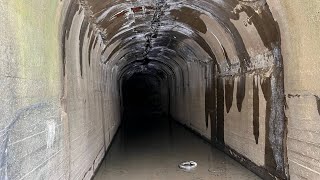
pixel 145 99
pixel 209 66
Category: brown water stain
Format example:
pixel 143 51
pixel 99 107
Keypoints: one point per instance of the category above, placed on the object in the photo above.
pixel 318 104
pixel 226 56
pixel 214 107
pixel 229 88
pixel 82 36
pixel 220 110
pixel 71 11
pixel 190 17
pixel 256 109
pixel 210 99
pixel 270 162
pixel 114 24
pixel 92 41
pixel 265 24
pixel 241 91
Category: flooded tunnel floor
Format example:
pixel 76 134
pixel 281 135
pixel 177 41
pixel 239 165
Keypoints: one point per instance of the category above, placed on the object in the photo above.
pixel 154 153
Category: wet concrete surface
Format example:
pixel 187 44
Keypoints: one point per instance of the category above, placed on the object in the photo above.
pixel 154 151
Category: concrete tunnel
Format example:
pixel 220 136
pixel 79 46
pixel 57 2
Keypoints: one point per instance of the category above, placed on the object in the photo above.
pixel 235 78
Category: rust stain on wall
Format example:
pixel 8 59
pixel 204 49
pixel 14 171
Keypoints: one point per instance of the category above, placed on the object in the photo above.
pixel 136 9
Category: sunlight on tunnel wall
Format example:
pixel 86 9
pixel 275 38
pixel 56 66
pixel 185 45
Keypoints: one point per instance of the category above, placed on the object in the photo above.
pixel 31 131
pixel 58 116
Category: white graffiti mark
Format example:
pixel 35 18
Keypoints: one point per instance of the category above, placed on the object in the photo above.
pixel 51 132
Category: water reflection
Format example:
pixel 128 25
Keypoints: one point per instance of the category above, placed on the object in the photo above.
pixel 154 151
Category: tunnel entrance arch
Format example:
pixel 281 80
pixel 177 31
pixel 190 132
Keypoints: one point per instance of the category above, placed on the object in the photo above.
pixel 62 64
pixel 222 61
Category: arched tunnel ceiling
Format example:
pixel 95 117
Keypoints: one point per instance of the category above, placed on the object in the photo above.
pixel 238 36
pixel 212 46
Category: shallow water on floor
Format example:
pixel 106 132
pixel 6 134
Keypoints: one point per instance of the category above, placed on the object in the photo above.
pixel 155 150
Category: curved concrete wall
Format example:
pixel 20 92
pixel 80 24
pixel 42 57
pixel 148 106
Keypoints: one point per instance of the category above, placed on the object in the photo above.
pixel 32 132
pixel 299 23
pixel 229 67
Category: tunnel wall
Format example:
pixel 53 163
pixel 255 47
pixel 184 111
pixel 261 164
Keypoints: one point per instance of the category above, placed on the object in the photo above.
pixel 60 107
pixel 58 112
pixel 299 23
pixel 188 100
pixel 32 133
pixel 239 106
pixel 91 98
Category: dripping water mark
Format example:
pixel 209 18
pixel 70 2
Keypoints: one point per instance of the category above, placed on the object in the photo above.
pixel 241 91
pixel 229 89
pixel 257 5
pixel 256 109
pixel 291 96
pixel 318 103
pixel 294 96
pixel 93 23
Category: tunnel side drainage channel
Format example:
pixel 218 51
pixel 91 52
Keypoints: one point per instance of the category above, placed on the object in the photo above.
pixel 188 166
